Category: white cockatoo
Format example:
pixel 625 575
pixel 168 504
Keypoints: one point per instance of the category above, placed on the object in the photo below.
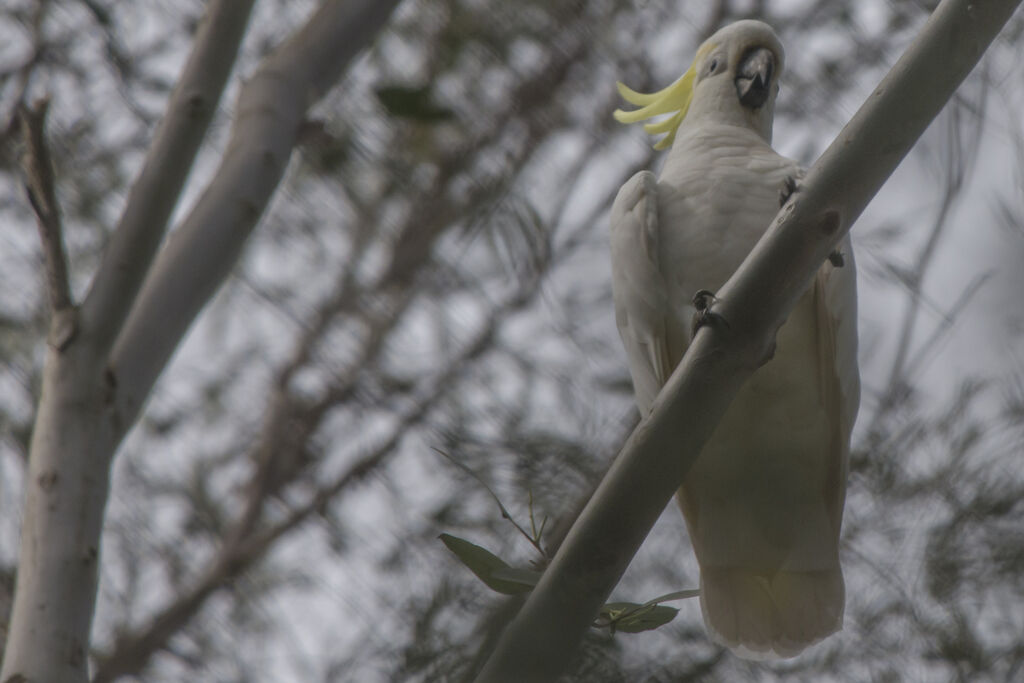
pixel 764 501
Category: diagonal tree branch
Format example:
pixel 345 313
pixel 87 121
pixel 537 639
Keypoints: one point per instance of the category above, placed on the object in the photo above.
pixel 40 186
pixel 152 199
pixel 203 250
pixel 542 638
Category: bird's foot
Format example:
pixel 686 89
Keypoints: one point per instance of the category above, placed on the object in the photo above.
pixel 836 259
pixel 790 186
pixel 703 300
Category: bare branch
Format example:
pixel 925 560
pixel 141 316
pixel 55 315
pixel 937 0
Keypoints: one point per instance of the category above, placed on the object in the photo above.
pixel 156 191
pixel 271 109
pixel 39 184
pixel 532 536
pixel 544 635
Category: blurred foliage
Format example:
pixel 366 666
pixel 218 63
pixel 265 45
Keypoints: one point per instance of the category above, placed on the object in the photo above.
pixel 433 274
pixel 416 103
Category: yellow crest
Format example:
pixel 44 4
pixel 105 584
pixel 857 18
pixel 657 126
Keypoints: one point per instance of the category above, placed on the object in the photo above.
pixel 675 98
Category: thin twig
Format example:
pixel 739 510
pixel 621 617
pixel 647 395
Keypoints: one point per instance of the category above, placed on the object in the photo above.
pixel 534 538
pixel 39 185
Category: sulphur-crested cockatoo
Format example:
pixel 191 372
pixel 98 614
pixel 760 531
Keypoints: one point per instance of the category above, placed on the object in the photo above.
pixel 764 501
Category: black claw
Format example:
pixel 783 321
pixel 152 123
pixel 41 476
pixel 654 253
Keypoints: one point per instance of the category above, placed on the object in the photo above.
pixel 703 300
pixel 836 259
pixel 789 188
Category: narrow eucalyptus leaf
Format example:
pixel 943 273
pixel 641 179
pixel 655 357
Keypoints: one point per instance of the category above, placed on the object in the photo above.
pixel 526 577
pixel 485 564
pixel 646 619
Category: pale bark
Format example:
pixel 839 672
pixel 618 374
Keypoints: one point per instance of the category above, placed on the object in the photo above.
pixel 154 194
pixel 541 640
pixel 89 398
pixel 203 250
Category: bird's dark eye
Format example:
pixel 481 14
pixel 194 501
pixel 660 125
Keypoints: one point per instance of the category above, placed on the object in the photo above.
pixel 713 65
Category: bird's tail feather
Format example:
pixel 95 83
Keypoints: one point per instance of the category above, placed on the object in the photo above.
pixel 765 617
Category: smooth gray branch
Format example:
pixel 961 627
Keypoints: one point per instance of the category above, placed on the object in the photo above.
pixel 202 251
pixel 155 193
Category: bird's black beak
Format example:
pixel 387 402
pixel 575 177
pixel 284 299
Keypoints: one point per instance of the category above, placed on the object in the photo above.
pixel 754 77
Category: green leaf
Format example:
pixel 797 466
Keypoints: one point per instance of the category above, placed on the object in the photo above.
pixel 490 568
pixel 646 619
pixel 525 577
pixel 630 617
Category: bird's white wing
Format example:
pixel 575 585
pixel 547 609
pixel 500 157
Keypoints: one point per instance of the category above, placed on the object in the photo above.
pixel 638 286
pixel 836 296
pixel 841 299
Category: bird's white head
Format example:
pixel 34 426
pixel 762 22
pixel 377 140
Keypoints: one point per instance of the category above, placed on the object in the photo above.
pixel 733 79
